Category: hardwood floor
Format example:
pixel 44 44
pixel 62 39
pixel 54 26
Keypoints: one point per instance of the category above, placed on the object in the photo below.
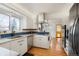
pixel 54 50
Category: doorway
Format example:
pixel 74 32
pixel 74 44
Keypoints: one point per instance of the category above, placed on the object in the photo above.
pixel 59 35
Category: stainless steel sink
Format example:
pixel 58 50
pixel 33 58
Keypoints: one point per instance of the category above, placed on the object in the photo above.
pixel 17 36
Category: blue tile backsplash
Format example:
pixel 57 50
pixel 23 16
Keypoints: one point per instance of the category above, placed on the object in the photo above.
pixel 5 35
pixel 22 33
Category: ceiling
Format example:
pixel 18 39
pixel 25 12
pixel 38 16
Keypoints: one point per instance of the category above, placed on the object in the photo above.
pixel 46 7
pixel 53 10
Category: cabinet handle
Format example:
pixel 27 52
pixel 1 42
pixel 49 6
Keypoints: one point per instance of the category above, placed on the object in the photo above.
pixel 48 38
pixel 39 39
pixel 20 44
pixel 21 41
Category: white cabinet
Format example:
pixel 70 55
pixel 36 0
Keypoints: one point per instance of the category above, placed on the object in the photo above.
pixel 18 45
pixel 41 41
pixel 23 45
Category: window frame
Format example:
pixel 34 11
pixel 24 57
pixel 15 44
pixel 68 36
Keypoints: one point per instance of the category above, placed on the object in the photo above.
pixel 11 14
pixel 19 21
pixel 9 20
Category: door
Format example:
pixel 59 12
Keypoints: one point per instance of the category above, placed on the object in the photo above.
pixel 59 35
pixel 70 39
pixel 74 37
pixel 73 19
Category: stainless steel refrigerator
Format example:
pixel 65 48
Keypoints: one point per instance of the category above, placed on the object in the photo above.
pixel 73 36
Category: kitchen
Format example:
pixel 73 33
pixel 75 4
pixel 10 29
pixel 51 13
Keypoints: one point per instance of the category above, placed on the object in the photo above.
pixel 28 29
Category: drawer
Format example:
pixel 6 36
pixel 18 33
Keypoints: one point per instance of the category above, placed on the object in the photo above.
pixel 23 47
pixel 39 35
pixel 41 41
pixel 19 41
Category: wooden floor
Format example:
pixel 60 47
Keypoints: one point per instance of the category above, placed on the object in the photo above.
pixel 54 50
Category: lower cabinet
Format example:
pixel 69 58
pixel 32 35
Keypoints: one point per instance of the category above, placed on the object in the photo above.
pixel 41 41
pixel 18 45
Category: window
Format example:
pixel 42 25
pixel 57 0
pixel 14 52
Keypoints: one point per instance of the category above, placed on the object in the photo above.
pixel 14 23
pixel 9 23
pixel 4 22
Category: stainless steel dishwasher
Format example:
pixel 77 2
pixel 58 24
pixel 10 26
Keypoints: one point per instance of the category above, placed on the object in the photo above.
pixel 29 41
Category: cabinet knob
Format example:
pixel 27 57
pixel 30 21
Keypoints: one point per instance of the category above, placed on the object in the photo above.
pixel 48 38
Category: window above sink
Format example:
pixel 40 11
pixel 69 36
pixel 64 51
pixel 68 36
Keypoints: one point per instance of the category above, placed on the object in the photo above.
pixel 9 23
pixel 4 22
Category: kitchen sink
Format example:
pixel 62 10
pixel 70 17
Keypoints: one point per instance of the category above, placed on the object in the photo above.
pixel 16 36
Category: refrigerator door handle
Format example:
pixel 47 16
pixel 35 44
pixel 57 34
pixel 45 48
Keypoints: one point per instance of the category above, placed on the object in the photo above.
pixel 73 32
pixel 74 26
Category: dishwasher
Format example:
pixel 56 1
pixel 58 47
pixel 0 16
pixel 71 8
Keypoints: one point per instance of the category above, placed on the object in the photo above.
pixel 29 41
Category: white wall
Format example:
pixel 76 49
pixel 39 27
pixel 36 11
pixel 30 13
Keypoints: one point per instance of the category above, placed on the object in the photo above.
pixel 52 28
pixel 54 19
pixel 24 22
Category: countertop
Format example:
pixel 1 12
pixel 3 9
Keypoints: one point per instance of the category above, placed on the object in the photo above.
pixel 4 40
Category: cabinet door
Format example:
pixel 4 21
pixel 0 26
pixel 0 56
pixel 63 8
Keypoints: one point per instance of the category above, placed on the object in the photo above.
pixel 41 41
pixel 44 42
pixel 19 45
pixel 36 42
pixel 22 45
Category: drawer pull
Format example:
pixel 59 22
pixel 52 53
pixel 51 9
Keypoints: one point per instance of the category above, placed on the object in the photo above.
pixel 20 44
pixel 21 41
pixel 39 39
